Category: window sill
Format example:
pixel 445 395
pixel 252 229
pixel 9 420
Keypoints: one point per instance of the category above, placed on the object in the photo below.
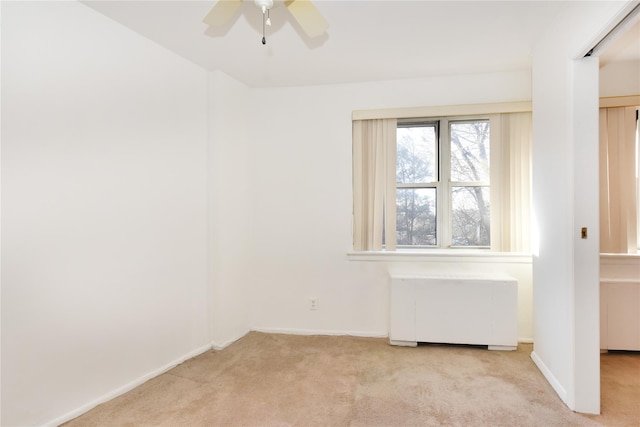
pixel 621 260
pixel 441 255
pixel 619 256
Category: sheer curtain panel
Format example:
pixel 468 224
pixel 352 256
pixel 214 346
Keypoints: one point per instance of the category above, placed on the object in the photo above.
pixel 618 192
pixel 374 180
pixel 515 180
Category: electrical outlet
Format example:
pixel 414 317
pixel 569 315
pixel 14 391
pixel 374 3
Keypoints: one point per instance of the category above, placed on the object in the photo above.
pixel 313 303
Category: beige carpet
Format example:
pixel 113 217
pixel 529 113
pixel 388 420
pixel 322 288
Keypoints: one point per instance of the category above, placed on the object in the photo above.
pixel 285 380
pixel 620 389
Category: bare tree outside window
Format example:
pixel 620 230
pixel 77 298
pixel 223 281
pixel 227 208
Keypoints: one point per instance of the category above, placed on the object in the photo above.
pixel 470 169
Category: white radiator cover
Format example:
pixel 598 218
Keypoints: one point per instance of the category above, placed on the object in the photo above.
pixel 454 310
pixel 620 314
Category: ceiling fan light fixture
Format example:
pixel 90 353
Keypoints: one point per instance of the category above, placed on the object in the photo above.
pixel 264 5
pixel 304 12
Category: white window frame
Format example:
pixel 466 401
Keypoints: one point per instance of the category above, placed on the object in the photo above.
pixel 444 185
pixel 437 184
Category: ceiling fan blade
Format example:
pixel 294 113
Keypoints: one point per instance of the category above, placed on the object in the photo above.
pixel 308 16
pixel 221 12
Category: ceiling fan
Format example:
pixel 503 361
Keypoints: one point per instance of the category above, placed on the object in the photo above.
pixel 310 19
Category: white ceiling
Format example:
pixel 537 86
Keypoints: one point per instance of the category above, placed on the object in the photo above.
pixel 367 40
pixel 625 46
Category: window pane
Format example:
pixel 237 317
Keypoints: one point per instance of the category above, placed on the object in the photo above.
pixel 416 157
pixel 470 151
pixel 471 218
pixel 416 216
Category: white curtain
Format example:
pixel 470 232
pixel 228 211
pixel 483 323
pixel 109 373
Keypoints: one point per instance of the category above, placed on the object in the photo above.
pixel 618 193
pixel 374 180
pixel 515 183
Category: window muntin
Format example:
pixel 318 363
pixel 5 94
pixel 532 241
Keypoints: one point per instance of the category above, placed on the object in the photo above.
pixel 442 183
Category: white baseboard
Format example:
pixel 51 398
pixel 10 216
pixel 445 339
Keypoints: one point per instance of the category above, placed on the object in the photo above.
pixel 288 331
pixel 369 334
pixel 561 391
pixel 227 343
pixel 125 388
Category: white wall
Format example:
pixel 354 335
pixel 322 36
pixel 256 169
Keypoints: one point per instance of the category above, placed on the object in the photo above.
pixel 230 191
pixel 302 204
pixel 620 78
pixel 564 156
pixel 104 228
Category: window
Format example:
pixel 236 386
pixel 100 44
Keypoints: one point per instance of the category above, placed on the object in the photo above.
pixel 442 183
pixel 458 181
